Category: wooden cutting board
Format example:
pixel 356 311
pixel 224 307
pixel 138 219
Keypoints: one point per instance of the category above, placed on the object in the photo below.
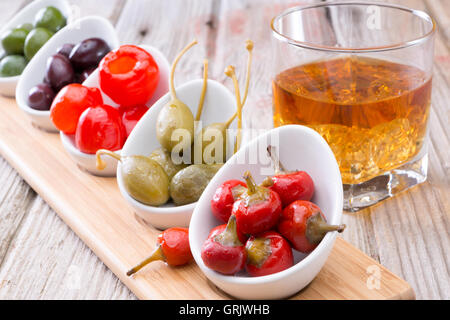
pixel 94 209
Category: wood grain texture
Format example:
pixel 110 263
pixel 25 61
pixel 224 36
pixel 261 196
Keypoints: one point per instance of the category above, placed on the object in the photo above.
pixel 105 222
pixel 408 234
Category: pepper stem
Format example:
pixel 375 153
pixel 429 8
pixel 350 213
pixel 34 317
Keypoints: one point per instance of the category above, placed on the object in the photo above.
pixel 202 96
pixel 174 64
pixel 99 163
pixel 317 228
pixel 251 185
pixel 157 254
pixel 278 166
pixel 229 236
pixel 258 250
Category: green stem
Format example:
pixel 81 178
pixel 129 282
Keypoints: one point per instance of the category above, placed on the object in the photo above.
pixel 278 166
pixel 202 96
pixel 156 255
pixel 174 64
pixel 251 185
pixel 99 163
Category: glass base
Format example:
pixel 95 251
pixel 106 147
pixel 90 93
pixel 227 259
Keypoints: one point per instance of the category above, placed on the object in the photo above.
pixel 366 194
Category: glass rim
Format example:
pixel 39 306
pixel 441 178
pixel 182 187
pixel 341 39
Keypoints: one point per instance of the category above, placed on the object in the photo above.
pixel 308 45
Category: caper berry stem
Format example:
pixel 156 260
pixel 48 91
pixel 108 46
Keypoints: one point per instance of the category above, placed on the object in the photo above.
pixel 249 47
pixel 157 254
pixel 278 166
pixel 251 185
pixel 230 72
pixel 229 121
pixel 99 163
pixel 202 96
pixel 174 64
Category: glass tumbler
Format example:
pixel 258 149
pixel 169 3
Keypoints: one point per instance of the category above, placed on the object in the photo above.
pixel 360 74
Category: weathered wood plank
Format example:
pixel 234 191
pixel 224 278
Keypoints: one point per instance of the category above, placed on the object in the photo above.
pixel 48 261
pixel 15 197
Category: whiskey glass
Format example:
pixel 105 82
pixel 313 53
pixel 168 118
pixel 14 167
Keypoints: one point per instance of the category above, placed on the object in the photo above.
pixel 359 73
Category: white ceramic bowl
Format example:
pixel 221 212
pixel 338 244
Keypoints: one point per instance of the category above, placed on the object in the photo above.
pixel 87 161
pixel 34 72
pixel 300 148
pixel 26 15
pixel 219 105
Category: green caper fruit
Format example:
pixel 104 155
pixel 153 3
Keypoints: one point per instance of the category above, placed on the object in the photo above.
pixel 144 179
pixel 164 158
pixel 13 40
pixel 35 40
pixel 175 115
pixel 213 139
pixel 188 184
pixel 12 65
pixel 49 18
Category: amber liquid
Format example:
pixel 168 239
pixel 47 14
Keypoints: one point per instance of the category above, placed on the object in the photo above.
pixel 373 113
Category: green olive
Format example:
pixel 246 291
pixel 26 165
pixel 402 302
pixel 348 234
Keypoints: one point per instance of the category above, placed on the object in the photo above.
pixel 49 18
pixel 145 180
pixel 27 26
pixel 163 157
pixel 12 65
pixel 35 40
pixel 188 184
pixel 13 40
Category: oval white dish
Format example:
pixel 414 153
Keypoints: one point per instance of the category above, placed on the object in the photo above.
pixel 88 161
pixel 300 148
pixel 142 141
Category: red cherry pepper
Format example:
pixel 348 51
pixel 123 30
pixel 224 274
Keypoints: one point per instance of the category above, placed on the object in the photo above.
pixel 223 251
pixel 131 116
pixel 304 225
pixel 268 253
pixel 258 209
pixel 69 104
pixel 224 198
pixel 129 75
pixel 290 186
pixel 172 247
pixel 100 127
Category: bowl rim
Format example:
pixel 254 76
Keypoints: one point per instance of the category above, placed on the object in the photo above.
pixel 166 210
pixel 69 145
pixel 326 242
pixel 21 100
pixel 313 46
pixel 35 5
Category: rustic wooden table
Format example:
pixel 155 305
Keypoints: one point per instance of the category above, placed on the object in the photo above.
pixel 41 258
